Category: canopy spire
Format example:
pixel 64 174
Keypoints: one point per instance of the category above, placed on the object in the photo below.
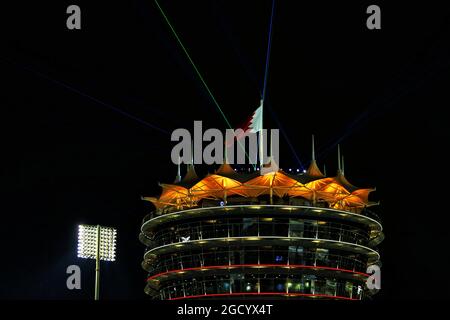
pixel 313 169
pixel 271 146
pixel 190 165
pixel 339 159
pixel 225 154
pixel 192 152
pixel 178 177
pixel 225 169
pixel 270 157
pixel 191 175
pixel 342 163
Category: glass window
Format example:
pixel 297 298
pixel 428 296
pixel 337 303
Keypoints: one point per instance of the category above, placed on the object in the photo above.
pixel 330 287
pixel 266 228
pixel 266 283
pixel 349 289
pixel 249 227
pixel 321 257
pixel 251 257
pixel 296 255
pixel 296 228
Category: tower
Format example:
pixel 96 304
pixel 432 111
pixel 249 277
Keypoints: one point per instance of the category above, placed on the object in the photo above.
pixel 279 235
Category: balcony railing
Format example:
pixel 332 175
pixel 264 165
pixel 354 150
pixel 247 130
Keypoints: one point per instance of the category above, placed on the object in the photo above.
pixel 259 285
pixel 257 201
pixel 242 257
pixel 254 227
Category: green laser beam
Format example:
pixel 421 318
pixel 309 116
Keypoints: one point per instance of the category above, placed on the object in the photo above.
pixel 193 64
pixel 198 73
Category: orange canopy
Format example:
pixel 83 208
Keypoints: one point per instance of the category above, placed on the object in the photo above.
pixel 336 191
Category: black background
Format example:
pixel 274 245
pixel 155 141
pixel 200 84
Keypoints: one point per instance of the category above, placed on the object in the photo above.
pixel 87 116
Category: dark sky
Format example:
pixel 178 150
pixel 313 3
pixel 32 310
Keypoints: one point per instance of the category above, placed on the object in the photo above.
pixel 87 117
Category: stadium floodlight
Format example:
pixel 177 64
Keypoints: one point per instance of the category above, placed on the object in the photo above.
pixel 99 243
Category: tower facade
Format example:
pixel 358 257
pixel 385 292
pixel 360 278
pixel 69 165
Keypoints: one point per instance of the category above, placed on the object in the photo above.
pixel 279 235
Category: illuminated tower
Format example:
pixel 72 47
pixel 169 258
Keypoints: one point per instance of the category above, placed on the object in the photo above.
pixel 279 235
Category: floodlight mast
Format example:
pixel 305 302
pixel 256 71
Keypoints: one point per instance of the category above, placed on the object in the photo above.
pixel 97 266
pixel 99 243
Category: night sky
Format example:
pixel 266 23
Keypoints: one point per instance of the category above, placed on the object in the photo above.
pixel 87 116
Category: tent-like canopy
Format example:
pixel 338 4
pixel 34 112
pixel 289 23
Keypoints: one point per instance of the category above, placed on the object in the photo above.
pixel 225 182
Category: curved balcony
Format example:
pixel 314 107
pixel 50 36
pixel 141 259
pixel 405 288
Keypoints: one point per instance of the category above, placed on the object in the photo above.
pixel 371 226
pixel 152 254
pixel 292 257
pixel 258 227
pixel 299 286
pixel 295 202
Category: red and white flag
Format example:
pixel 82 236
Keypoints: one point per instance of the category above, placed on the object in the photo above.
pixel 256 123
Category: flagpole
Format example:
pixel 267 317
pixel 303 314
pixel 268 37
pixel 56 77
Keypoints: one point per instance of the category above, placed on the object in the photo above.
pixel 263 95
pixel 261 143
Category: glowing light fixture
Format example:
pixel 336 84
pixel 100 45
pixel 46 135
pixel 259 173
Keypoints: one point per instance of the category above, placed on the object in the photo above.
pixel 99 243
